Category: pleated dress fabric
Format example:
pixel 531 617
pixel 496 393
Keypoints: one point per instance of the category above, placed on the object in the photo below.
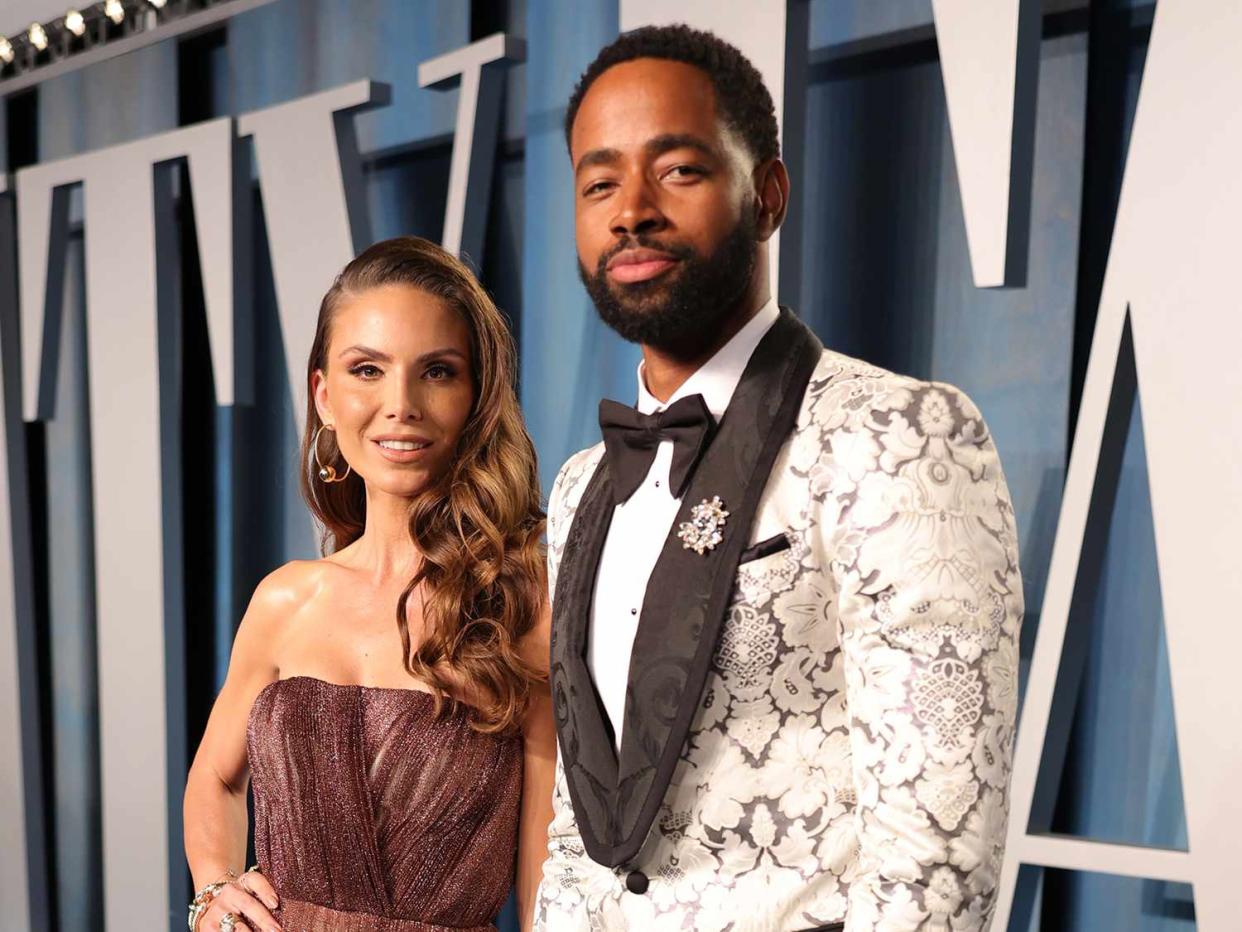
pixel 373 815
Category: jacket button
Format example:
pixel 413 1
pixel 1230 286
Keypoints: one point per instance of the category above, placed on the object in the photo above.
pixel 636 882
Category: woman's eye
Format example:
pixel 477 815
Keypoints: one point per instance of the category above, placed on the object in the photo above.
pixel 366 371
pixel 439 371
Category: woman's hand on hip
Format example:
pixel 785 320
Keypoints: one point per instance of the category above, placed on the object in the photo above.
pixel 249 898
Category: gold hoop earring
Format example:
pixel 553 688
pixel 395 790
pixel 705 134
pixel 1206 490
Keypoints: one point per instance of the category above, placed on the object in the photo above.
pixel 326 473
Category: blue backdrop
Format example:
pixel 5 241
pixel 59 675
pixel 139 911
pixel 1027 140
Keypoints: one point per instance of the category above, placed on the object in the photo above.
pixel 885 275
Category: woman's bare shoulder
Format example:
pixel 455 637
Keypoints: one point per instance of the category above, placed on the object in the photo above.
pixel 278 601
pixel 284 592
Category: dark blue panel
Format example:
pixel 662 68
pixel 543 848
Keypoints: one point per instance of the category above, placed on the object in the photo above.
pixel 1122 780
pixel 835 23
pixel 291 48
pixel 569 359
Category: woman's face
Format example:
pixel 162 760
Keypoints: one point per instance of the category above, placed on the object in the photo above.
pixel 397 387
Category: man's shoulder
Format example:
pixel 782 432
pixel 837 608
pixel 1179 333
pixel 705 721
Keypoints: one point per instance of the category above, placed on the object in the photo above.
pixel 581 464
pixel 848 393
pixel 572 478
pixel 858 378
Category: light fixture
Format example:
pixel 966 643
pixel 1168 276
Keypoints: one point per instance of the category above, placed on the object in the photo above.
pixel 38 36
pixel 85 28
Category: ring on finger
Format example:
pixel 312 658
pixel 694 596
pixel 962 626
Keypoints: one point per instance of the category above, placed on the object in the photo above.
pixel 242 880
pixel 228 922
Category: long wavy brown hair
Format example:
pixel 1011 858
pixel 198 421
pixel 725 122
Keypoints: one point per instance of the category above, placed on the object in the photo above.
pixel 478 527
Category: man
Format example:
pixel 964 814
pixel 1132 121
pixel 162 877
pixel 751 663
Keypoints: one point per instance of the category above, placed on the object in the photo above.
pixel 786 591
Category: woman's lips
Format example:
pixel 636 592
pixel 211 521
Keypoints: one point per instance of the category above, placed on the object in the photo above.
pixel 403 456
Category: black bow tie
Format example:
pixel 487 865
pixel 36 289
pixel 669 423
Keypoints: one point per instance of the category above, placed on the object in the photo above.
pixel 632 438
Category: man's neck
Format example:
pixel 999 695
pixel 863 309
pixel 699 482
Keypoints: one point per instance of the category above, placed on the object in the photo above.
pixel 666 370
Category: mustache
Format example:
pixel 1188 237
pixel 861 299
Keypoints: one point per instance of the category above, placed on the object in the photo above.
pixel 677 250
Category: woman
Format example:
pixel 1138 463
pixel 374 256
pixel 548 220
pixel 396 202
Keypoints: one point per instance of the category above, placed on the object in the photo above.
pixel 390 699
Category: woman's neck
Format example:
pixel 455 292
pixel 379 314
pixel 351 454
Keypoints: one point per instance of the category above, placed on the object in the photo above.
pixel 385 550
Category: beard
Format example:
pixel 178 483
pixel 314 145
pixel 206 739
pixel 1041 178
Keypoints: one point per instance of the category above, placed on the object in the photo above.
pixel 683 308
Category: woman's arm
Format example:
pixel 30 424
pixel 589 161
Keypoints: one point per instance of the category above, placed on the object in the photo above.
pixel 538 775
pixel 216 825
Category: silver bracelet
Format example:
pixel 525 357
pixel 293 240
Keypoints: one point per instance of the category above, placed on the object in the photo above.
pixel 202 899
pixel 196 913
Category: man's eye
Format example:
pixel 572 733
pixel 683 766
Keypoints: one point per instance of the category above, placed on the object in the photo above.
pixel 366 371
pixel 597 187
pixel 683 172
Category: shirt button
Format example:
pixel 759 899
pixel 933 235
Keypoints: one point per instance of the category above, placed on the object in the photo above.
pixel 657 483
pixel 633 611
pixel 636 882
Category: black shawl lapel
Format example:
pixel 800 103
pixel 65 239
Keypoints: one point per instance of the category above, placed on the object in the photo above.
pixel 688 592
pixel 682 612
pixel 588 753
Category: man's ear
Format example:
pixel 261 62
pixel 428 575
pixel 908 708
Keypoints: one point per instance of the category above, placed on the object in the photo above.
pixel 319 392
pixel 772 192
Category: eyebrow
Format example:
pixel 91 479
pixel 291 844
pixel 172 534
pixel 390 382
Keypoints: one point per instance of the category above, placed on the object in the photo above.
pixel 384 357
pixel 657 145
pixel 669 141
pixel 598 157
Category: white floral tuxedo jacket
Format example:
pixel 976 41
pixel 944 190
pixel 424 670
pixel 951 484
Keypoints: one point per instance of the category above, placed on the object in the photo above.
pixel 845 761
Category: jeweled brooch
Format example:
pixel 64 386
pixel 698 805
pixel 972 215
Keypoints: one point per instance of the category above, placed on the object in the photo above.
pixel 703 531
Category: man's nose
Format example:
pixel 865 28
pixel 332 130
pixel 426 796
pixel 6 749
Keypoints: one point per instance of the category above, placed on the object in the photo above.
pixel 637 210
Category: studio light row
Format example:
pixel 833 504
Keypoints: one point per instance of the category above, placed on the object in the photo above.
pixel 87 27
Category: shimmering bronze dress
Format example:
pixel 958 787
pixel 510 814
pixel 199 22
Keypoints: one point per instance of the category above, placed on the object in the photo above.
pixel 373 816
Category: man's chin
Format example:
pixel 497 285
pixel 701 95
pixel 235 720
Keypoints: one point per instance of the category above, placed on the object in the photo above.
pixel 640 298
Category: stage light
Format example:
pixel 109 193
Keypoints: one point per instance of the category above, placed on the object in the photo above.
pixel 6 50
pixel 115 11
pixel 75 23
pixel 38 36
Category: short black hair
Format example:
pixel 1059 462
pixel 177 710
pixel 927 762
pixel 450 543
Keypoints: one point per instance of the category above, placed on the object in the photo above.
pixel 741 96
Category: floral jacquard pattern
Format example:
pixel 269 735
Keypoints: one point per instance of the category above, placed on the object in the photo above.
pixel 849 760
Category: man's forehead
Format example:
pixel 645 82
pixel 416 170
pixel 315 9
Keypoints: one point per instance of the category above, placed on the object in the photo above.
pixel 637 101
pixel 665 73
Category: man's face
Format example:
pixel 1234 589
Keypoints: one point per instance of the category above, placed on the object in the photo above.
pixel 665 204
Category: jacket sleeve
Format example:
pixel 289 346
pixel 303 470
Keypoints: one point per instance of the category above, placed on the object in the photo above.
pixel 556 542
pixel 929 604
pixel 559 901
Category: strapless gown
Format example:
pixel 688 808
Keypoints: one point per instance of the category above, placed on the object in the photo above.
pixel 372 815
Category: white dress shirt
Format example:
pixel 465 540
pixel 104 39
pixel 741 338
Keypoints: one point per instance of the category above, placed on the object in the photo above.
pixel 641 524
